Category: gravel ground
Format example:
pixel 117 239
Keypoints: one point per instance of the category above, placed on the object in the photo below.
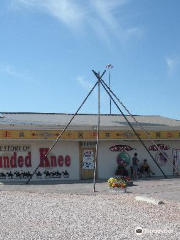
pixel 26 215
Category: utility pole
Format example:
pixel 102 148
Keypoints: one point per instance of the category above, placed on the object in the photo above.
pixel 109 66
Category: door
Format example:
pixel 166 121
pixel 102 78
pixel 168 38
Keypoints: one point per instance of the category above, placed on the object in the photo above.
pixel 87 156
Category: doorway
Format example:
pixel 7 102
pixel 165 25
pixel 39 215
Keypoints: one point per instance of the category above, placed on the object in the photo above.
pixel 87 156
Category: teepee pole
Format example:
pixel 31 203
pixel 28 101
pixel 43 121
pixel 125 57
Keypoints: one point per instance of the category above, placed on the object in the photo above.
pixel 106 89
pixel 61 133
pixel 98 127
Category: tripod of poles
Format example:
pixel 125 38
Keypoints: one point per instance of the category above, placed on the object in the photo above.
pixel 117 103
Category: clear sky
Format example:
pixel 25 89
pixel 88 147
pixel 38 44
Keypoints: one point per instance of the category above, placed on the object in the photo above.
pixel 48 49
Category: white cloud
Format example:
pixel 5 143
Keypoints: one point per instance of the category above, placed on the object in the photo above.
pixel 85 84
pixel 106 16
pixel 100 30
pixel 102 16
pixel 66 11
pixel 133 31
pixel 8 70
pixel 171 64
pixel 104 11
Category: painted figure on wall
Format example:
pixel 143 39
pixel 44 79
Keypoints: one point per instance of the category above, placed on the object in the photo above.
pixel 123 159
pixel 161 158
pixel 176 160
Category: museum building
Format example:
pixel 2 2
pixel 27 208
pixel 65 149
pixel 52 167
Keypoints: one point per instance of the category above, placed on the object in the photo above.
pixel 25 139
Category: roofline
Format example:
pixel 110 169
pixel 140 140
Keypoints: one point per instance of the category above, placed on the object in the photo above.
pixel 102 114
pixel 83 114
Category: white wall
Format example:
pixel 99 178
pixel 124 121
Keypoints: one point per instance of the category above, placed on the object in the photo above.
pixel 64 149
pixel 107 162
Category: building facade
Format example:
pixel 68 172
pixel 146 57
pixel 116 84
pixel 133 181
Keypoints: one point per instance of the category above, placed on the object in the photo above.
pixel 25 139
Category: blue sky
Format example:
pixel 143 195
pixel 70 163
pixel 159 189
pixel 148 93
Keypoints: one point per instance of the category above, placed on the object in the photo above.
pixel 48 49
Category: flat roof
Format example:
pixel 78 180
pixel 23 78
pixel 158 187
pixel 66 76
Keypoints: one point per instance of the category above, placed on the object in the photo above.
pixel 83 120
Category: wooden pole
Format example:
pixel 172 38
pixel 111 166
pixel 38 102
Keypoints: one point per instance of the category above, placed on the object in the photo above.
pixel 137 135
pixel 60 134
pixel 97 135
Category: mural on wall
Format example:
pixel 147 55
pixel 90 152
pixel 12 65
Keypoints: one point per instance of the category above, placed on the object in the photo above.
pixel 158 146
pixel 121 148
pixel 53 165
pixel 176 160
pixel 73 134
pixel 15 156
pixel 88 159
pixel 52 174
pixel 16 163
pixel 13 159
pixel 123 158
pixel 159 157
pixel 52 161
pixel 39 175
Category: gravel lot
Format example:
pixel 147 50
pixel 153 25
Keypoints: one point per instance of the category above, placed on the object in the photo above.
pixel 50 215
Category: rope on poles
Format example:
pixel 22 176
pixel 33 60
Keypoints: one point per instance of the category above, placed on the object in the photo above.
pixel 50 149
pixel 147 134
pixel 133 128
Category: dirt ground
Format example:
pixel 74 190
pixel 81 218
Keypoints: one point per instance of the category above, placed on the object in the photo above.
pixel 160 187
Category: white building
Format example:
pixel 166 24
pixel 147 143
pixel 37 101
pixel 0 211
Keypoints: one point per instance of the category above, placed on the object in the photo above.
pixel 26 137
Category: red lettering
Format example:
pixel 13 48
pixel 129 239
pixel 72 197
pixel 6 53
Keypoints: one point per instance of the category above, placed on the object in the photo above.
pixel 20 161
pixel 44 161
pixel 53 161
pixel 28 160
pixel 6 161
pixel 1 165
pixel 60 160
pixel 13 160
pixel 67 161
